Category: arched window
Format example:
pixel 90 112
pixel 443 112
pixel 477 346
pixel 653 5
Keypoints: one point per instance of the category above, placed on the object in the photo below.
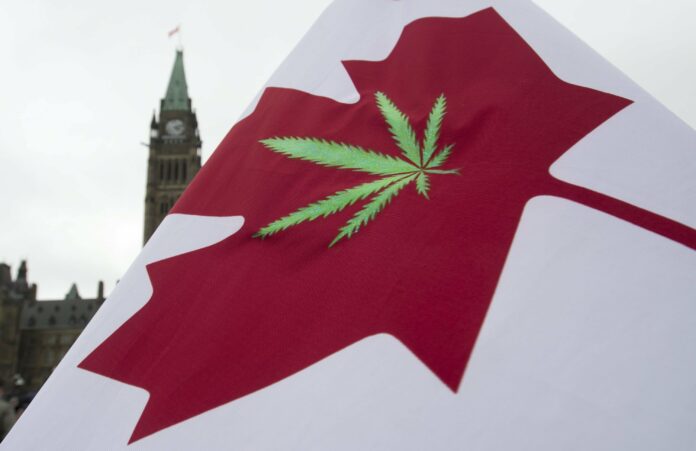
pixel 169 170
pixel 161 168
pixel 184 170
pixel 176 170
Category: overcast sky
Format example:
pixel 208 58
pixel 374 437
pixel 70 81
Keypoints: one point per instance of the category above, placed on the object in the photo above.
pixel 79 81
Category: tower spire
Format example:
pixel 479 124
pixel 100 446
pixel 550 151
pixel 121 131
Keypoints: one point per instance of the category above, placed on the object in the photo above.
pixel 176 98
pixel 174 150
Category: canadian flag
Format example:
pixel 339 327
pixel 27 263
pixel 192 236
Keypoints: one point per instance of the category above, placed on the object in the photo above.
pixel 443 225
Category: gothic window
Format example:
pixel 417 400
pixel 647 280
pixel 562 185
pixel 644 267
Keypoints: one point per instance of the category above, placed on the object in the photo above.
pixel 32 321
pixel 161 168
pixel 184 170
pixel 169 170
pixel 52 321
pixel 72 320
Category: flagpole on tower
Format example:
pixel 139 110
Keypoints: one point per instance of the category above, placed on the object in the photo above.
pixel 177 31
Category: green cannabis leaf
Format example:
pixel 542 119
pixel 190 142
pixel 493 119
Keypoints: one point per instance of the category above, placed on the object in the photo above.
pixel 397 173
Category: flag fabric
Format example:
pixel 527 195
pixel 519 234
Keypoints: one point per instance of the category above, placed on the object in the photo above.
pixel 442 225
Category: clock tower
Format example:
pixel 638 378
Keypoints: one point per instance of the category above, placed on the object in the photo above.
pixel 174 150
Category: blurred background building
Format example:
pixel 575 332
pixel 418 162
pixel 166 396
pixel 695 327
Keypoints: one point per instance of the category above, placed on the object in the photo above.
pixel 36 334
pixel 175 149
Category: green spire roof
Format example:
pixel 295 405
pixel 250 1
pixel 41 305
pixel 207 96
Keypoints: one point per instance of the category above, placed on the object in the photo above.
pixel 177 98
pixel 73 294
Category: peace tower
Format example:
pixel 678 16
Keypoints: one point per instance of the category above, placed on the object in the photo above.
pixel 174 149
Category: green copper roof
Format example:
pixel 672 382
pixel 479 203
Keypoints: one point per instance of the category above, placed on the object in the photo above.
pixel 177 98
pixel 73 294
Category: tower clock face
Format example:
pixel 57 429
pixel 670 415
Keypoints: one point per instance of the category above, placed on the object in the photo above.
pixel 175 127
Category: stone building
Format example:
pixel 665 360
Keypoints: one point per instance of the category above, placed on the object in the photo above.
pixel 35 335
pixel 49 328
pixel 14 295
pixel 175 149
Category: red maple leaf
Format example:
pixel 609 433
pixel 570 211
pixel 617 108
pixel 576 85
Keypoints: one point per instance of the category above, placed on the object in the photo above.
pixel 233 318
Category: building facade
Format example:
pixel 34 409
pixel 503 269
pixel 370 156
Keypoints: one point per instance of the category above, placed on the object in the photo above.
pixel 14 295
pixel 174 150
pixel 49 328
pixel 35 335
